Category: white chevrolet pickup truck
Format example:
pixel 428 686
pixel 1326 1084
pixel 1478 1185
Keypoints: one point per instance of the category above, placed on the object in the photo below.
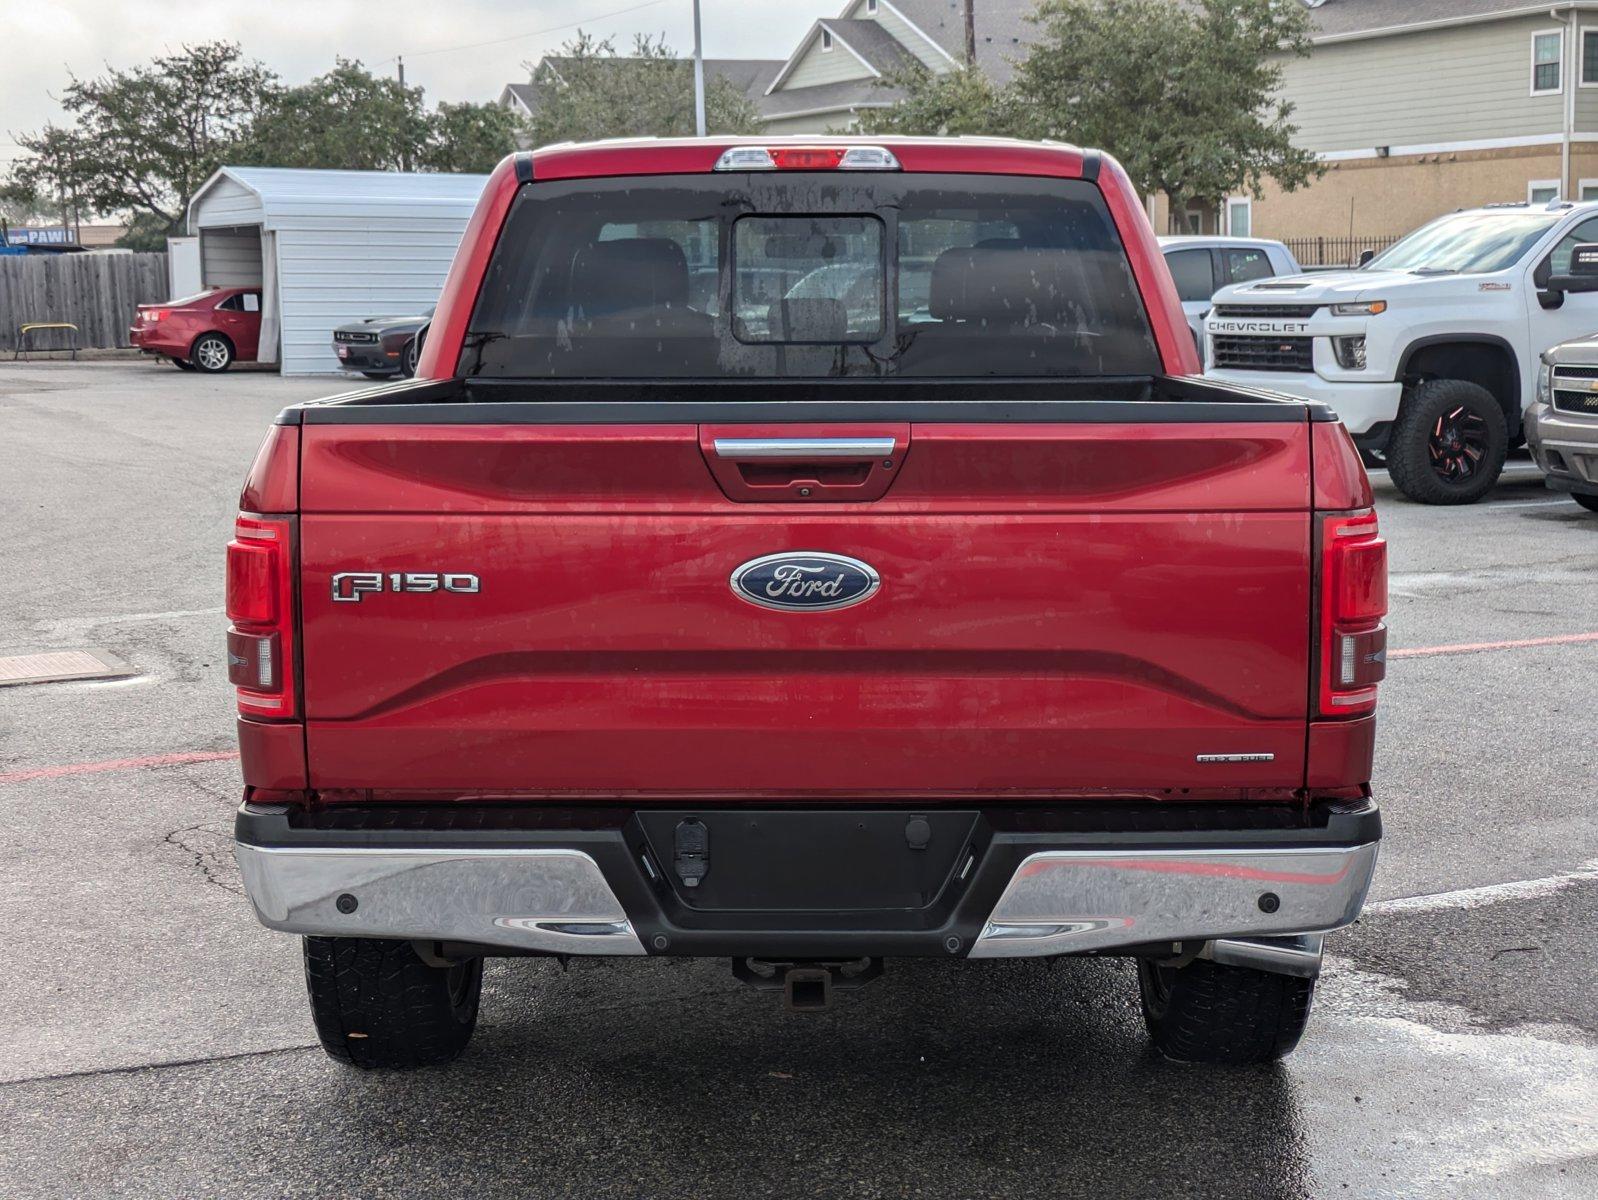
pixel 1430 351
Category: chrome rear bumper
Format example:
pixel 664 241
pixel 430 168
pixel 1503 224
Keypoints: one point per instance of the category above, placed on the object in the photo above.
pixel 1063 902
pixel 550 900
pixel 592 883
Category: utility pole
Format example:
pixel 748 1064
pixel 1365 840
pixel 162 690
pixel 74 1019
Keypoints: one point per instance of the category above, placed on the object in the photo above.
pixel 405 158
pixel 699 77
pixel 970 33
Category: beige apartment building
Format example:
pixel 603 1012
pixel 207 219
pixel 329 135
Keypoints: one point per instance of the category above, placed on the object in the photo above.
pixel 1420 107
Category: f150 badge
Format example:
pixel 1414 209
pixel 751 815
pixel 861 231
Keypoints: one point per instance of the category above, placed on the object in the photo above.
pixel 350 586
pixel 805 581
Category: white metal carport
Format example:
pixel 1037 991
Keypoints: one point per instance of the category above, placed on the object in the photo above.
pixel 328 247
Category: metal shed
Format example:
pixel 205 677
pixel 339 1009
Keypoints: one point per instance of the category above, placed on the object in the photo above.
pixel 328 247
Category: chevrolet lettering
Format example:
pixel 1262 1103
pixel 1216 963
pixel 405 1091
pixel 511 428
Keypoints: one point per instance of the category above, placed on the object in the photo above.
pixel 1225 326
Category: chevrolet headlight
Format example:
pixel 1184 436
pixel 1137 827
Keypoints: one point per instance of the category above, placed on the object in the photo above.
pixel 1545 384
pixel 1365 308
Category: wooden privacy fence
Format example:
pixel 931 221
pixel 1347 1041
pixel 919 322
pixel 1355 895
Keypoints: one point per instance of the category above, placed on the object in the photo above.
pixel 95 292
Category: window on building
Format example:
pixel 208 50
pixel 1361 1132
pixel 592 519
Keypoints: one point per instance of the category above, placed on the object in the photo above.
pixel 871 6
pixel 1547 53
pixel 1240 217
pixel 826 39
pixel 1589 189
pixel 1542 191
pixel 1589 58
pixel 1193 272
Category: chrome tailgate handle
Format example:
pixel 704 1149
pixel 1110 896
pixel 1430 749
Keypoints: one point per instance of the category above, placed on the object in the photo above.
pixel 803 449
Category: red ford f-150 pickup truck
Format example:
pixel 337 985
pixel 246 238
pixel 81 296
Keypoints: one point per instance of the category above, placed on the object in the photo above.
pixel 807 554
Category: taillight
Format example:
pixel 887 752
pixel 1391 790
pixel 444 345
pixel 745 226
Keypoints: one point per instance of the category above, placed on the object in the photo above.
pixel 260 643
pixel 1353 658
pixel 158 314
pixel 807 158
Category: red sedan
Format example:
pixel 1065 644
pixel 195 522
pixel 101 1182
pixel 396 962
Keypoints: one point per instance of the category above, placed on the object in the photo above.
pixel 208 332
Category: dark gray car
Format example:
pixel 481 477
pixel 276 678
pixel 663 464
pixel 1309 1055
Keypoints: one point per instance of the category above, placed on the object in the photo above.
pixel 382 347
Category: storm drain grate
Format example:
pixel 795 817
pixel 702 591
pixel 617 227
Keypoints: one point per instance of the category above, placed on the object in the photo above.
pixel 52 666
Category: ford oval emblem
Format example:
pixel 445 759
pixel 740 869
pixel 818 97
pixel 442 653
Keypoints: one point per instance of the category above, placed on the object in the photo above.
pixel 805 581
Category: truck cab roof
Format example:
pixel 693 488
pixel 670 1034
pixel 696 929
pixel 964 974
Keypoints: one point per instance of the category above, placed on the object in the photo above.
pixel 657 156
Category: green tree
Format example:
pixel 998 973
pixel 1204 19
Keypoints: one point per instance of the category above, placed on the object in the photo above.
pixel 44 186
pixel 948 104
pixel 470 137
pixel 347 119
pixel 142 140
pixel 588 91
pixel 1185 95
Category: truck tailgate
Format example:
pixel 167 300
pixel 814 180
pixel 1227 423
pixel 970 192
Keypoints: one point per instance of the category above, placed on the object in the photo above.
pixel 1064 609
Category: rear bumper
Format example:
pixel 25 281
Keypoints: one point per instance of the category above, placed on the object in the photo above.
pixel 154 341
pixel 832 883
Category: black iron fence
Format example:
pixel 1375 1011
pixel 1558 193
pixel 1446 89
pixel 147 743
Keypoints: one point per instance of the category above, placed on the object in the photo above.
pixel 1335 251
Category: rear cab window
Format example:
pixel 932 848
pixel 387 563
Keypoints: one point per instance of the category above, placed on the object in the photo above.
pixel 1193 272
pixel 809 275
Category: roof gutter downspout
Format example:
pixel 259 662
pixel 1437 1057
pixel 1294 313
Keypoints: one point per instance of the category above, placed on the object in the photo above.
pixel 1571 80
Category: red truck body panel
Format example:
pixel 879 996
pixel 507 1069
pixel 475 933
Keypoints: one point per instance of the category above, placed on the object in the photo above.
pixel 1067 609
pixel 1052 593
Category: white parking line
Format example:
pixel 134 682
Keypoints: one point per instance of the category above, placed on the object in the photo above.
pixel 1493 893
pixel 1503 504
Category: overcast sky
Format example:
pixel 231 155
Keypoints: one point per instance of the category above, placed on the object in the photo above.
pixel 44 42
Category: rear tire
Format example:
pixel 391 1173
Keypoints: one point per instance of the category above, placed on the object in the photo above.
pixel 1231 1016
pixel 1590 503
pixel 376 1004
pixel 1448 443
pixel 211 353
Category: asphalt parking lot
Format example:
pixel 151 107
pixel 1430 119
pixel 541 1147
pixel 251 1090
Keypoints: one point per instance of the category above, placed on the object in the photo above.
pixel 154 1040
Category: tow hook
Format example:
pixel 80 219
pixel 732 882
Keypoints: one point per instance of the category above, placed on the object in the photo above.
pixel 807 984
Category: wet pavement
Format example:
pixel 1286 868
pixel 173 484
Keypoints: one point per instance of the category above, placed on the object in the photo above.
pixel 154 1040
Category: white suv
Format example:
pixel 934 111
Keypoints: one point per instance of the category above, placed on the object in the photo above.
pixel 1430 351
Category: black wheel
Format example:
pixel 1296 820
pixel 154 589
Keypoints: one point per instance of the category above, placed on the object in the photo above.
pixel 181 364
pixel 377 374
pixel 376 1004
pixel 408 357
pixel 1208 1013
pixel 212 353
pixel 1590 503
pixel 1448 444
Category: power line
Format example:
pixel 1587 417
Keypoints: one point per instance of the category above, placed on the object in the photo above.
pixel 517 37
